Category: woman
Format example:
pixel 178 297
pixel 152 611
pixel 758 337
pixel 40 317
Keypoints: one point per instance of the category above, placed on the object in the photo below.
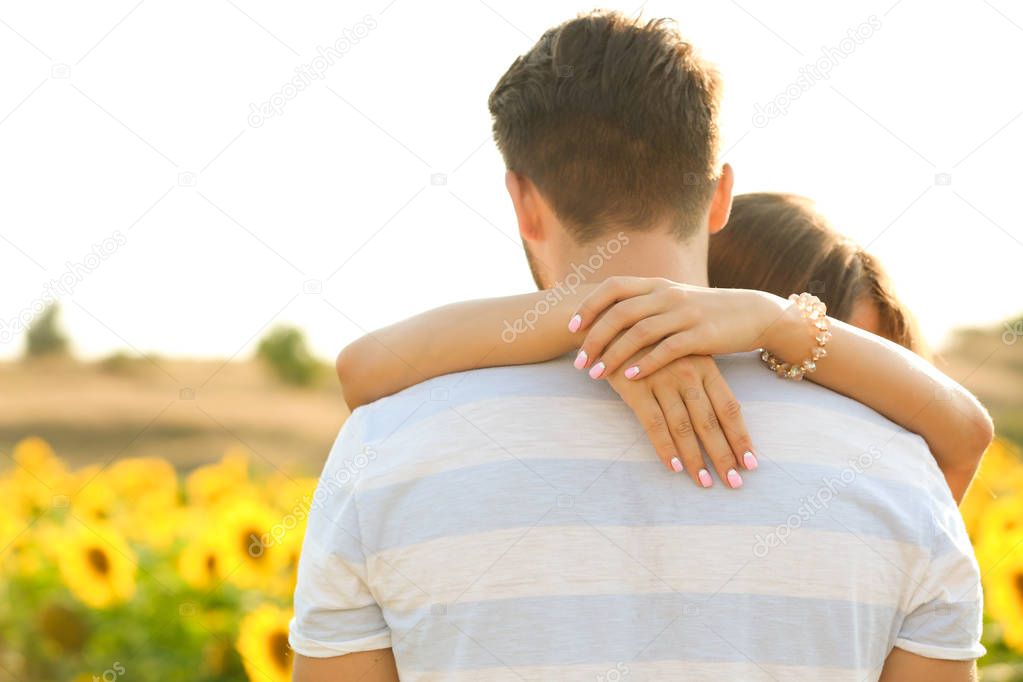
pixel 652 340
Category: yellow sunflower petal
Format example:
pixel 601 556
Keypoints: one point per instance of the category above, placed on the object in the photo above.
pixel 263 644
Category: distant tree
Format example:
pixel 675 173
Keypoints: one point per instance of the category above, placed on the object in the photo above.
pixel 285 352
pixel 45 336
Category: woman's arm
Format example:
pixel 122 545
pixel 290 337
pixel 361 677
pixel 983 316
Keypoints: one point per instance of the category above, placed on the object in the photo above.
pixel 680 408
pixel 685 405
pixel 902 386
pixel 513 330
pixel 625 315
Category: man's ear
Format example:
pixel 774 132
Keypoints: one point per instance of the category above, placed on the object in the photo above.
pixel 524 199
pixel 721 203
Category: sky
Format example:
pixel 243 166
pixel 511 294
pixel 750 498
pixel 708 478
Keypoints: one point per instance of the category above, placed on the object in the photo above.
pixel 161 179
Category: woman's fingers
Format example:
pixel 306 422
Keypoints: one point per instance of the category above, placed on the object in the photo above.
pixel 609 292
pixel 708 429
pixel 682 434
pixel 645 334
pixel 616 320
pixel 729 414
pixel 654 423
pixel 674 347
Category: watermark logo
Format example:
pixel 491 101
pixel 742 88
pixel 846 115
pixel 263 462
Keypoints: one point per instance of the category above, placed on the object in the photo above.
pixel 615 674
pixel 811 505
pixel 555 295
pixel 74 274
pixel 110 674
pixel 815 72
pixel 340 477
pixel 307 74
pixel 1013 332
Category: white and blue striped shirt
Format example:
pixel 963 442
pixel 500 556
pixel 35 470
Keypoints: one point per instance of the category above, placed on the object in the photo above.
pixel 514 523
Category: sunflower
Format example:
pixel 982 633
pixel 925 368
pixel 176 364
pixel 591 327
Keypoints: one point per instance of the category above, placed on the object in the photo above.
pixel 98 566
pixel 1005 597
pixel 288 494
pixel 155 527
pixel 244 536
pixel 39 478
pixel 138 496
pixel 213 484
pixel 263 644
pixel 999 531
pixel 201 564
pixel 289 550
pixel 1000 473
pixel 150 482
pixel 94 500
pixel 17 543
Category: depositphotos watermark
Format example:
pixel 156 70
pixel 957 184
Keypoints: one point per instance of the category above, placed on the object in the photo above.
pixel 811 505
pixel 326 57
pixel 1013 332
pixel 813 73
pixel 74 274
pixel 567 287
pixel 326 488
pixel 111 673
pixel 619 672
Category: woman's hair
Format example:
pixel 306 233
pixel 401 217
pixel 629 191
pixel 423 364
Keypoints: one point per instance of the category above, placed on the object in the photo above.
pixel 779 243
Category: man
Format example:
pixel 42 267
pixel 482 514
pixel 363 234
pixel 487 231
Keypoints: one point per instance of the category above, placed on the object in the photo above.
pixel 513 523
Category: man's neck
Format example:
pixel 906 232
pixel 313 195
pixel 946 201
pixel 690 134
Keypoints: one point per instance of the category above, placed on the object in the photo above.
pixel 640 255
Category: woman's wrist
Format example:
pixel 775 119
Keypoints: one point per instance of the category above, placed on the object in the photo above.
pixel 787 336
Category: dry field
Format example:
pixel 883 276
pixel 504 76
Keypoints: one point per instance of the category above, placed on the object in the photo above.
pixel 187 411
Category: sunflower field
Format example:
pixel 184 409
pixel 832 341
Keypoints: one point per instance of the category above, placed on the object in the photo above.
pixel 130 570
pixel 993 512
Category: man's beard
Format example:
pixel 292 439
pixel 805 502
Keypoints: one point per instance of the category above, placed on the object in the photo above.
pixel 534 267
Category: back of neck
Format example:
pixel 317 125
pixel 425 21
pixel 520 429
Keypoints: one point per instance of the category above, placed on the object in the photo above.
pixel 639 254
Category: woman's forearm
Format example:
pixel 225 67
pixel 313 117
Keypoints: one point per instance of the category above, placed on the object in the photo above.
pixel 900 385
pixel 483 333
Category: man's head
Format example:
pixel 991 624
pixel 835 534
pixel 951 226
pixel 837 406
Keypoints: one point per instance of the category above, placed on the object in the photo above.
pixel 606 125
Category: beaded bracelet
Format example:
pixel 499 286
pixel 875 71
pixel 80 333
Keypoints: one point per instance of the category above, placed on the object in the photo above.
pixel 813 310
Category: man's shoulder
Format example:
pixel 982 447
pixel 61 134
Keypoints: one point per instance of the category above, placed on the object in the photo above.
pixel 808 414
pixel 450 392
pixel 557 385
pixel 554 394
pixel 751 382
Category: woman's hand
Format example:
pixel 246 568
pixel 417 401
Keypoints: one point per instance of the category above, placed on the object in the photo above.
pixel 627 314
pixel 687 400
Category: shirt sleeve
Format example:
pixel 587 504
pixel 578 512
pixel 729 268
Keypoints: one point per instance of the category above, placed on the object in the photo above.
pixel 945 617
pixel 335 611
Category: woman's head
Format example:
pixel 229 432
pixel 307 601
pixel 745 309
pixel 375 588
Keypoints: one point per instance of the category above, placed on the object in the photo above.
pixel 779 243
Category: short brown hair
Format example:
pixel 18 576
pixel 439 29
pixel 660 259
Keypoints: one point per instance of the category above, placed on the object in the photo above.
pixel 781 244
pixel 615 122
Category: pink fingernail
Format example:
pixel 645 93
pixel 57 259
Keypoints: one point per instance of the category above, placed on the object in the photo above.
pixel 676 464
pixel 750 460
pixel 705 479
pixel 597 370
pixel 580 360
pixel 631 372
pixel 734 479
pixel 575 323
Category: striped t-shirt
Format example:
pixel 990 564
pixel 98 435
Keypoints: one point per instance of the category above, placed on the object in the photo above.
pixel 514 523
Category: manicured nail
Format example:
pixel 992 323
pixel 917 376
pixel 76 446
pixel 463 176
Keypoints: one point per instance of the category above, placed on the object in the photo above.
pixel 705 479
pixel 575 323
pixel 750 460
pixel 676 464
pixel 580 360
pixel 631 372
pixel 734 479
pixel 597 370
